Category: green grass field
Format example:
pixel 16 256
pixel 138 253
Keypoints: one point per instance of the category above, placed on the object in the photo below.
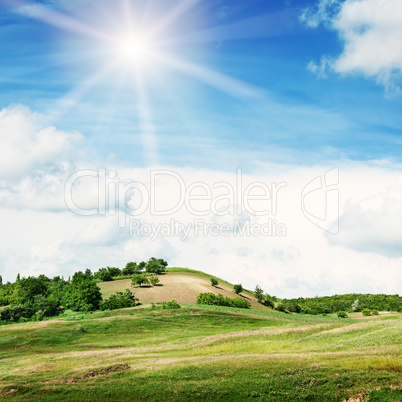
pixel 202 353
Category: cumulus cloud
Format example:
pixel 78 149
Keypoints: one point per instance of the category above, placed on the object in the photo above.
pixel 373 225
pixel 28 145
pixel 371 32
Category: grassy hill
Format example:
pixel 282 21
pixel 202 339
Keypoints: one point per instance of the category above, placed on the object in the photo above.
pixel 181 284
pixel 200 352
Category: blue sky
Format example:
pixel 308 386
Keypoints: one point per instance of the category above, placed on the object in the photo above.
pixel 262 44
pixel 285 90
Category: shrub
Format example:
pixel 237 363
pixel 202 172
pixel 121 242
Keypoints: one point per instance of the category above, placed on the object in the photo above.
pixel 219 300
pixel 375 312
pixel 154 280
pixel 268 301
pixel 214 282
pixel 238 289
pixel 119 300
pixel 16 313
pixel 342 314
pixel 172 305
pixel 239 302
pixel 293 307
pixel 139 280
pixel 366 312
pixel 281 307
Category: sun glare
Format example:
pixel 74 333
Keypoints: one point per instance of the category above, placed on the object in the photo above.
pixel 134 49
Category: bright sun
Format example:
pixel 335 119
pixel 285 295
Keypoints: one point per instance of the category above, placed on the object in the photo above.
pixel 134 49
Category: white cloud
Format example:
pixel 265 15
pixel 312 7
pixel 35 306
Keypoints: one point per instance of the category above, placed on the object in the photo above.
pixel 28 145
pixel 374 225
pixel 322 12
pixel 371 31
pixel 321 68
pixel 301 263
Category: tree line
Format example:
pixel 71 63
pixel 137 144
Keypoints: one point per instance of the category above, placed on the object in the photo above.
pixel 353 302
pixel 34 298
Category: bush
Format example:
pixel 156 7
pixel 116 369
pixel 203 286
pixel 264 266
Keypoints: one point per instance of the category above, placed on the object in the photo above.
pixel 342 314
pixel 172 305
pixel 219 300
pixel 268 301
pixel 366 312
pixel 375 312
pixel 119 300
pixel 281 307
pixel 154 280
pixel 139 280
pixel 16 313
pixel 214 282
pixel 238 289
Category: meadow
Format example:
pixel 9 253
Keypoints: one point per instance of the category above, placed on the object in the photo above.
pixel 202 353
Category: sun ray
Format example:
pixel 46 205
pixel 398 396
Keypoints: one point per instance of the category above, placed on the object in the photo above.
pixel 263 26
pixel 51 17
pixel 68 101
pixel 214 79
pixel 145 122
pixel 183 7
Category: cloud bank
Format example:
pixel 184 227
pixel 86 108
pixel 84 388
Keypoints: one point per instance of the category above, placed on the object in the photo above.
pixel 42 235
pixel 371 34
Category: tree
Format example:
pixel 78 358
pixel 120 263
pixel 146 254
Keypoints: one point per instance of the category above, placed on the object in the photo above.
pixel 139 280
pixel 154 280
pixel 114 271
pixel 1 280
pixel 30 287
pixel 18 278
pixel 104 275
pixel 83 294
pixel 214 282
pixel 238 289
pixel 156 266
pixel 131 268
pixel 259 294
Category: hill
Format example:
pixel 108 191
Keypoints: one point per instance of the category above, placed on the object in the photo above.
pixel 201 353
pixel 181 284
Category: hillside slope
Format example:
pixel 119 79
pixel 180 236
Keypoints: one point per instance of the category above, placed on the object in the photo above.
pixel 184 286
pixel 201 353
